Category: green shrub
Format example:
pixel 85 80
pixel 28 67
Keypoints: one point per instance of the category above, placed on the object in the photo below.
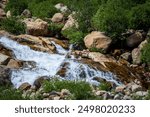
pixel 42 9
pixel 75 36
pixel 12 25
pixel 9 93
pixel 139 17
pixel 111 18
pixel 80 90
pixel 16 6
pixel 146 54
pixel 106 86
pixel 55 28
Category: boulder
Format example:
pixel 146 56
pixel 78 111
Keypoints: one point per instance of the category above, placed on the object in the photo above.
pixel 60 6
pixel 5 75
pixel 97 40
pixel 126 56
pixel 14 64
pixel 135 88
pixel 39 81
pixel 58 17
pixel 136 56
pixel 142 44
pixel 26 13
pixel 70 23
pixel 2 13
pixel 37 27
pixel 135 39
pixel 141 93
pixel 25 86
pixel 3 58
pixel 8 14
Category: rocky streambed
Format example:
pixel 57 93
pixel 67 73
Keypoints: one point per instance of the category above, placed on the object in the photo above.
pixel 27 60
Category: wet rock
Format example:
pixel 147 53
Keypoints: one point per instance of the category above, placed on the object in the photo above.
pixel 97 40
pixel 136 56
pixel 39 81
pixel 36 43
pixel 14 64
pixel 58 17
pixel 37 27
pixel 63 43
pixel 3 58
pixel 126 56
pixel 25 86
pixel 135 39
pixel 29 64
pixel 5 74
pixel 26 13
pixel 141 93
pixel 136 88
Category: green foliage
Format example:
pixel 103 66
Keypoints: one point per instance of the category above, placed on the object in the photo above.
pixel 115 16
pixel 12 25
pixel 75 36
pixel 16 6
pixel 42 9
pixel 55 28
pixel 139 17
pixel 9 93
pixel 97 50
pixel 111 18
pixel 106 86
pixel 146 54
pixel 80 90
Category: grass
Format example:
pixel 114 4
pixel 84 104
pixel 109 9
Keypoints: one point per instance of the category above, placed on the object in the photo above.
pixel 80 90
pixel 10 93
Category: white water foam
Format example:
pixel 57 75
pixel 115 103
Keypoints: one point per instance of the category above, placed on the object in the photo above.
pixel 49 65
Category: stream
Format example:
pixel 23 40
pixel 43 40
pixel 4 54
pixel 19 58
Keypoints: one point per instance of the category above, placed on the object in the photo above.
pixel 49 64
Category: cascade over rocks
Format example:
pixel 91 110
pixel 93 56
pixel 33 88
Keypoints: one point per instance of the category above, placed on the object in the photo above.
pixel 97 40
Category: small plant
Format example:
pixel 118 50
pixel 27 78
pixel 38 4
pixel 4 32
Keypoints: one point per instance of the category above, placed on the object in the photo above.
pixel 42 9
pixel 16 6
pixel 9 93
pixel 75 36
pixel 79 90
pixel 97 50
pixel 106 86
pixel 12 25
pixel 55 28
pixel 146 54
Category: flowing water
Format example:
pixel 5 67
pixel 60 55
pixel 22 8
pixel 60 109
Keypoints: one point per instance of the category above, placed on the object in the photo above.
pixel 49 64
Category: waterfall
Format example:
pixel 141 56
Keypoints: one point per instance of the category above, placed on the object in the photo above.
pixel 49 64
